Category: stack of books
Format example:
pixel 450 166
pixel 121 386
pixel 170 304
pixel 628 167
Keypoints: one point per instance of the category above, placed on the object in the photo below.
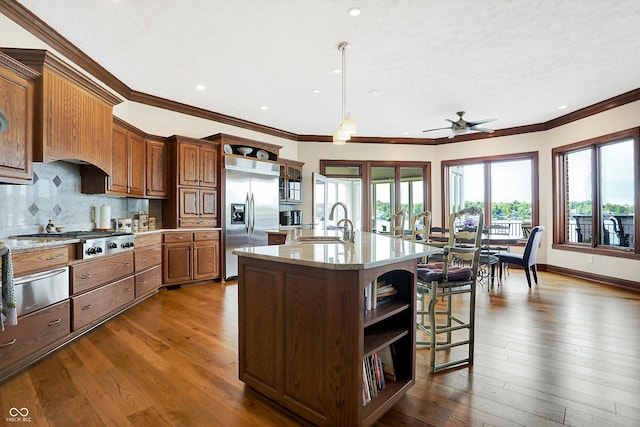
pixel 377 368
pixel 384 293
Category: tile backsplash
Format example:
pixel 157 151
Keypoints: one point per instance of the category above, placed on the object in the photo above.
pixel 55 194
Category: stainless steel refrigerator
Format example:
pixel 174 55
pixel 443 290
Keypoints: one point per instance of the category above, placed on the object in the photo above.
pixel 250 204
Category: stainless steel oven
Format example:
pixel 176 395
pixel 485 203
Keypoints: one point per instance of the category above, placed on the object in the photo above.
pixel 38 290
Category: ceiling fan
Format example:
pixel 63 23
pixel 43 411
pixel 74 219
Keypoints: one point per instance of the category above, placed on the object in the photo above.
pixel 461 126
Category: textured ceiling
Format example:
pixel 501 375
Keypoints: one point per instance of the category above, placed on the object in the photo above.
pixel 411 64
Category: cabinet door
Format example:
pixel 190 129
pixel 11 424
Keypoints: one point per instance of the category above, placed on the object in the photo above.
pixel 208 166
pixel 205 259
pixel 208 203
pixel 188 202
pixel 189 165
pixel 294 181
pixel 16 141
pixel 119 179
pixel 157 179
pixel 176 263
pixel 136 165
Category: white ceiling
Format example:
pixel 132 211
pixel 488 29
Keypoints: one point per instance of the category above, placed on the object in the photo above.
pixel 514 60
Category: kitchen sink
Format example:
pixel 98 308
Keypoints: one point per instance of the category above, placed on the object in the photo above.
pixel 319 239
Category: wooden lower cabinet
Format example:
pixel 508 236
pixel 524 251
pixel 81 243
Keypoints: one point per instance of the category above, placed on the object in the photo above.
pixel 96 304
pixel 98 271
pixel 148 281
pixel 33 332
pixel 191 257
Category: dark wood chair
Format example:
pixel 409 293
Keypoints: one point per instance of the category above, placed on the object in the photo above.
pixel 528 259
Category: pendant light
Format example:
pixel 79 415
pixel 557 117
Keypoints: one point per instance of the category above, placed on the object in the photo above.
pixel 348 125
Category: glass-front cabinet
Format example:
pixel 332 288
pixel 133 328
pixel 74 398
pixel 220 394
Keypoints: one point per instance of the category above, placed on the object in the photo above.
pixel 290 181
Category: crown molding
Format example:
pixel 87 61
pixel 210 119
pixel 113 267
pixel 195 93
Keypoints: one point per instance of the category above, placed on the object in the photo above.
pixel 30 22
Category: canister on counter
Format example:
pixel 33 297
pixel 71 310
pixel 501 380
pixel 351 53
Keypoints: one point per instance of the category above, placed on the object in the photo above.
pixel 143 221
pixel 152 223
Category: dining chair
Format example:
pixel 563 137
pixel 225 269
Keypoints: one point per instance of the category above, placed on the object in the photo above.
pixel 397 224
pixel 526 260
pixel 420 226
pixel 456 276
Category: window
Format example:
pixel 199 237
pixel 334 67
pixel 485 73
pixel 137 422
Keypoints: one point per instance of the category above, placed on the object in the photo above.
pixel 503 186
pixel 595 182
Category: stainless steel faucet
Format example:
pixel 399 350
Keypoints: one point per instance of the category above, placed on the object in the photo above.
pixel 348 234
pixel 333 208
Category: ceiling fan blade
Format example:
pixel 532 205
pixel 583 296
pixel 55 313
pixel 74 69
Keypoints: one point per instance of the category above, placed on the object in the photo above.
pixel 429 130
pixel 479 122
pixel 479 129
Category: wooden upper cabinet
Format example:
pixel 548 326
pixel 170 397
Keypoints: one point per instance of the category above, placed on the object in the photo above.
pixel 128 155
pixel 17 84
pixel 157 175
pixel 198 165
pixel 73 114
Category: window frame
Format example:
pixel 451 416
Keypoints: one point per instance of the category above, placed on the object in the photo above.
pixel 486 162
pixel 559 197
pixel 365 173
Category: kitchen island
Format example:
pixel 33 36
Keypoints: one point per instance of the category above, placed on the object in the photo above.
pixel 306 338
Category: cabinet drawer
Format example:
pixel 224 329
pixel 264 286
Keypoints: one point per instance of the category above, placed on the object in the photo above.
pixel 148 281
pixel 206 235
pixel 147 258
pixel 90 274
pixel 46 259
pixel 148 240
pixel 94 305
pixel 276 239
pixel 34 331
pixel 178 237
pixel 197 222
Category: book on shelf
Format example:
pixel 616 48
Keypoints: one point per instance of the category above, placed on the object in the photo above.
pixel 373 378
pixel 387 356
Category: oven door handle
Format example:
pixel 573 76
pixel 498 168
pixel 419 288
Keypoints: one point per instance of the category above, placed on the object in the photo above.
pixel 38 276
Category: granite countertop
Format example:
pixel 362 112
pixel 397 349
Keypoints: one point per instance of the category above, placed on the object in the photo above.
pixel 369 250
pixel 26 243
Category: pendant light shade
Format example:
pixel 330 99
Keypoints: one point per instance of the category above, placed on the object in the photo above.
pixel 348 125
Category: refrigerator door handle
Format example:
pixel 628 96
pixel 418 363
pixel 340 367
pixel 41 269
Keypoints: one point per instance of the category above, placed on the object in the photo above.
pixel 247 219
pixel 253 214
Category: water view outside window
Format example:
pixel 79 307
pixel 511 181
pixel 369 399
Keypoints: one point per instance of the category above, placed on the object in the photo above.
pixel 612 164
pixel 510 184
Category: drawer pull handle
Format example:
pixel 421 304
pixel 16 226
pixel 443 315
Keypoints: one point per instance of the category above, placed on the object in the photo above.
pixel 127 289
pixel 85 276
pixel 87 307
pixel 179 237
pixel 52 258
pixel 125 264
pixel 55 322
pixel 13 341
pixel 143 260
pixel 143 282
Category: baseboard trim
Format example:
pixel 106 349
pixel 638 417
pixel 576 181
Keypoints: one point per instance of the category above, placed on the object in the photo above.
pixel 607 280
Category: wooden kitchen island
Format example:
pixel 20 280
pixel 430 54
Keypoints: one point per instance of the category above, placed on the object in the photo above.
pixel 305 336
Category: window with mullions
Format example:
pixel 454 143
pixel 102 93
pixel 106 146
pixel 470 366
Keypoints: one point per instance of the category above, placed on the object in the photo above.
pixel 505 187
pixel 596 182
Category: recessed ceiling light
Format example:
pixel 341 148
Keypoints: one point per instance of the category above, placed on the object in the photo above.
pixel 561 107
pixel 354 11
pixel 375 92
pixel 201 87
pixel 316 91
pixel 264 108
pixel 337 70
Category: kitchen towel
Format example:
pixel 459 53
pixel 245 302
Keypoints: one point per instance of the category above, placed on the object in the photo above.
pixel 105 217
pixel 9 311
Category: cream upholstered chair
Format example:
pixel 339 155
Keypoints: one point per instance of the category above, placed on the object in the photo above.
pixel 456 276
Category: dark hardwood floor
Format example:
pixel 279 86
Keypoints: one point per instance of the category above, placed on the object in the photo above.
pixel 566 352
